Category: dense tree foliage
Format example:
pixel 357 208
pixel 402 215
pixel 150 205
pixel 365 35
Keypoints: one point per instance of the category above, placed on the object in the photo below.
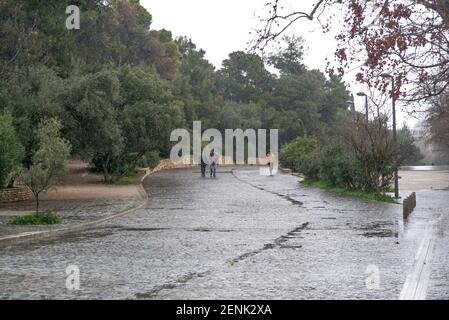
pixel 11 151
pixel 119 87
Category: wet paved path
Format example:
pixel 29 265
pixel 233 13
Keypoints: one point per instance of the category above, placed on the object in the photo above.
pixel 243 236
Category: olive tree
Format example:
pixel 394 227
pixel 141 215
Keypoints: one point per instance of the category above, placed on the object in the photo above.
pixel 48 160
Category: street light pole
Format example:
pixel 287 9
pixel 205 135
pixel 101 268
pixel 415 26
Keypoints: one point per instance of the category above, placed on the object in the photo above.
pixel 396 178
pixel 351 104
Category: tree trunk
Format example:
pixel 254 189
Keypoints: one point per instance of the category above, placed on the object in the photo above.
pixel 106 174
pixel 105 171
pixel 37 203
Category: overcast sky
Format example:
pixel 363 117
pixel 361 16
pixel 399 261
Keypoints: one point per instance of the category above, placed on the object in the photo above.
pixel 222 26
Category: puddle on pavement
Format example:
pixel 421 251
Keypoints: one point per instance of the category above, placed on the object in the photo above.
pixel 381 234
pixel 290 247
pixel 202 230
pixel 143 229
pixel 279 242
pixel 290 235
pixel 262 187
pixel 294 201
pixel 211 230
pixel 170 285
pixel 379 229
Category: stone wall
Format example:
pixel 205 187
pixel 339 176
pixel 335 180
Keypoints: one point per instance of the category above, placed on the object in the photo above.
pixel 167 165
pixel 15 194
pixel 188 161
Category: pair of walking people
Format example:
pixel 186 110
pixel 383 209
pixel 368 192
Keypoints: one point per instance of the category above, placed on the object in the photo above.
pixel 212 160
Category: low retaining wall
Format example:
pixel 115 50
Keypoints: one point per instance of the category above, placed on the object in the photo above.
pixel 15 194
pixel 409 205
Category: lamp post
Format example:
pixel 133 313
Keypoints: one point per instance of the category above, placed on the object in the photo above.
pixel 396 180
pixel 351 105
pixel 363 94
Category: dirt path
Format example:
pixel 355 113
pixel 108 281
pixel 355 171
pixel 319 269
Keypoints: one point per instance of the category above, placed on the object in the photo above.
pixel 78 182
pixel 81 196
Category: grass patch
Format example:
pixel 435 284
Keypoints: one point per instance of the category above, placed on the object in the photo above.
pixel 351 193
pixel 128 180
pixel 44 218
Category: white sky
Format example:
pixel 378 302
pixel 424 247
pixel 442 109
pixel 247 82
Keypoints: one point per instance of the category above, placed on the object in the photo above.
pixel 222 26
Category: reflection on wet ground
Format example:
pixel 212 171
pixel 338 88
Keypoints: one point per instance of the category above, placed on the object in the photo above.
pixel 240 236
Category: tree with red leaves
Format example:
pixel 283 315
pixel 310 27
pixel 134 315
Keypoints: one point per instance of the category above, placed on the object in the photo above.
pixel 409 38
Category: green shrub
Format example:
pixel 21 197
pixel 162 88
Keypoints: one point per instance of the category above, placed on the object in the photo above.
pixel 338 167
pixel 132 178
pixel 293 154
pixel 309 166
pixel 331 164
pixel 44 218
pixel 362 158
pixel 151 159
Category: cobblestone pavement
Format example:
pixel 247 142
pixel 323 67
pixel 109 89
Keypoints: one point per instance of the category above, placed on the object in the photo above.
pixel 242 235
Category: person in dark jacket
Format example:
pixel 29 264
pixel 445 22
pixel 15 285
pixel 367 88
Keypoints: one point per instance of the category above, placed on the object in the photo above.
pixel 203 165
